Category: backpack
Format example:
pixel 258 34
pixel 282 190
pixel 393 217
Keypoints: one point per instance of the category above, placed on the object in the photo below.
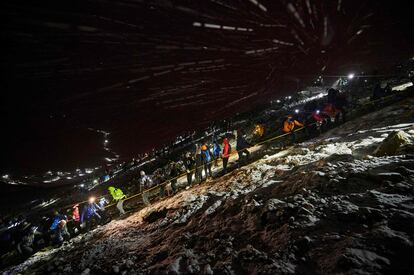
pixel 207 156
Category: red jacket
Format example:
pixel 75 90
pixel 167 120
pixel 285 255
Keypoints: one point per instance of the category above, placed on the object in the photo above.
pixel 226 148
pixel 75 213
pixel 317 116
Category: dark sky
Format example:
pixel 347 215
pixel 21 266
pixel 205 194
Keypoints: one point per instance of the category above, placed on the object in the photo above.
pixel 146 71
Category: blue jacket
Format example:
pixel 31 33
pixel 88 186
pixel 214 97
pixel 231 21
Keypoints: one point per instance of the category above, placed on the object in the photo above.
pixel 89 210
pixel 56 221
pixel 216 149
pixel 206 155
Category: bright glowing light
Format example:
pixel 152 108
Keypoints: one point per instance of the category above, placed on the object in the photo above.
pixel 92 199
pixel 5 177
pixel 351 76
pixel 297 111
pixel 106 141
pixel 95 181
pixel 402 87
pixel 317 111
pixel 278 101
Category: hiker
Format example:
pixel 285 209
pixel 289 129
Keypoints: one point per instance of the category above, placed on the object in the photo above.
pixel 102 202
pixel 189 166
pixel 58 228
pixel 76 218
pixel 26 245
pixel 174 173
pixel 289 125
pixel 90 214
pixel 258 131
pixel 216 152
pixel 146 182
pixel 199 165
pixel 226 154
pixel 118 196
pixel 241 147
pixel 207 158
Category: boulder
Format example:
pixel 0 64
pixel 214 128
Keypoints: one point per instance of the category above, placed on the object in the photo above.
pixel 392 144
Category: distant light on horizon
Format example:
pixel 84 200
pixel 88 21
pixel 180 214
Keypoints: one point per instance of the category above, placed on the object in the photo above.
pixel 351 76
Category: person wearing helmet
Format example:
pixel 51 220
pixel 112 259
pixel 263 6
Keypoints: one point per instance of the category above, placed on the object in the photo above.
pixel 207 158
pixel 118 196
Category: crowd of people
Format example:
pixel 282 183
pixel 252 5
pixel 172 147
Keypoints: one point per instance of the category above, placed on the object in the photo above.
pixel 21 238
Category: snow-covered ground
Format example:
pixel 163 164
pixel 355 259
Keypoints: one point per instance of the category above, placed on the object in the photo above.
pixel 335 204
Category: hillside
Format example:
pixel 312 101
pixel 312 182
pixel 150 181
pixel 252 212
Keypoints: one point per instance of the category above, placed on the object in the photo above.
pixel 341 203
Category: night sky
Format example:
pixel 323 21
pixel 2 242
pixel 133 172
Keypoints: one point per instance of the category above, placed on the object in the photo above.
pixel 146 71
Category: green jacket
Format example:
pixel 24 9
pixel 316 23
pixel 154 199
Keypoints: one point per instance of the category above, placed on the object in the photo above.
pixel 116 193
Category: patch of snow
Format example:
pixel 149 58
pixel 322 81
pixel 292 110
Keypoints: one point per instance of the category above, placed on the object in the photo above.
pixel 213 207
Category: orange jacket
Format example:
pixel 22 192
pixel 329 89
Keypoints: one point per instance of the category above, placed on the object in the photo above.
pixel 288 126
pixel 259 130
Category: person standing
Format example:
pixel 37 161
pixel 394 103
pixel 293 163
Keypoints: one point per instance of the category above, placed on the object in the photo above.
pixel 189 166
pixel 226 154
pixel 118 196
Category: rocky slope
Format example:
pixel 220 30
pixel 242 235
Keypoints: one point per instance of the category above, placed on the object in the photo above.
pixel 342 203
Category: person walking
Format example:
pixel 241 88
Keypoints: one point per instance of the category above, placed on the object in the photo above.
pixel 146 182
pixel 90 214
pixel 118 196
pixel 189 166
pixel 174 173
pixel 241 147
pixel 289 125
pixel 76 218
pixel 226 154
pixel 216 152
pixel 199 165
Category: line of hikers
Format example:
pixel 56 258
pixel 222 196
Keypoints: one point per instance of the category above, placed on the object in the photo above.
pixel 22 238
